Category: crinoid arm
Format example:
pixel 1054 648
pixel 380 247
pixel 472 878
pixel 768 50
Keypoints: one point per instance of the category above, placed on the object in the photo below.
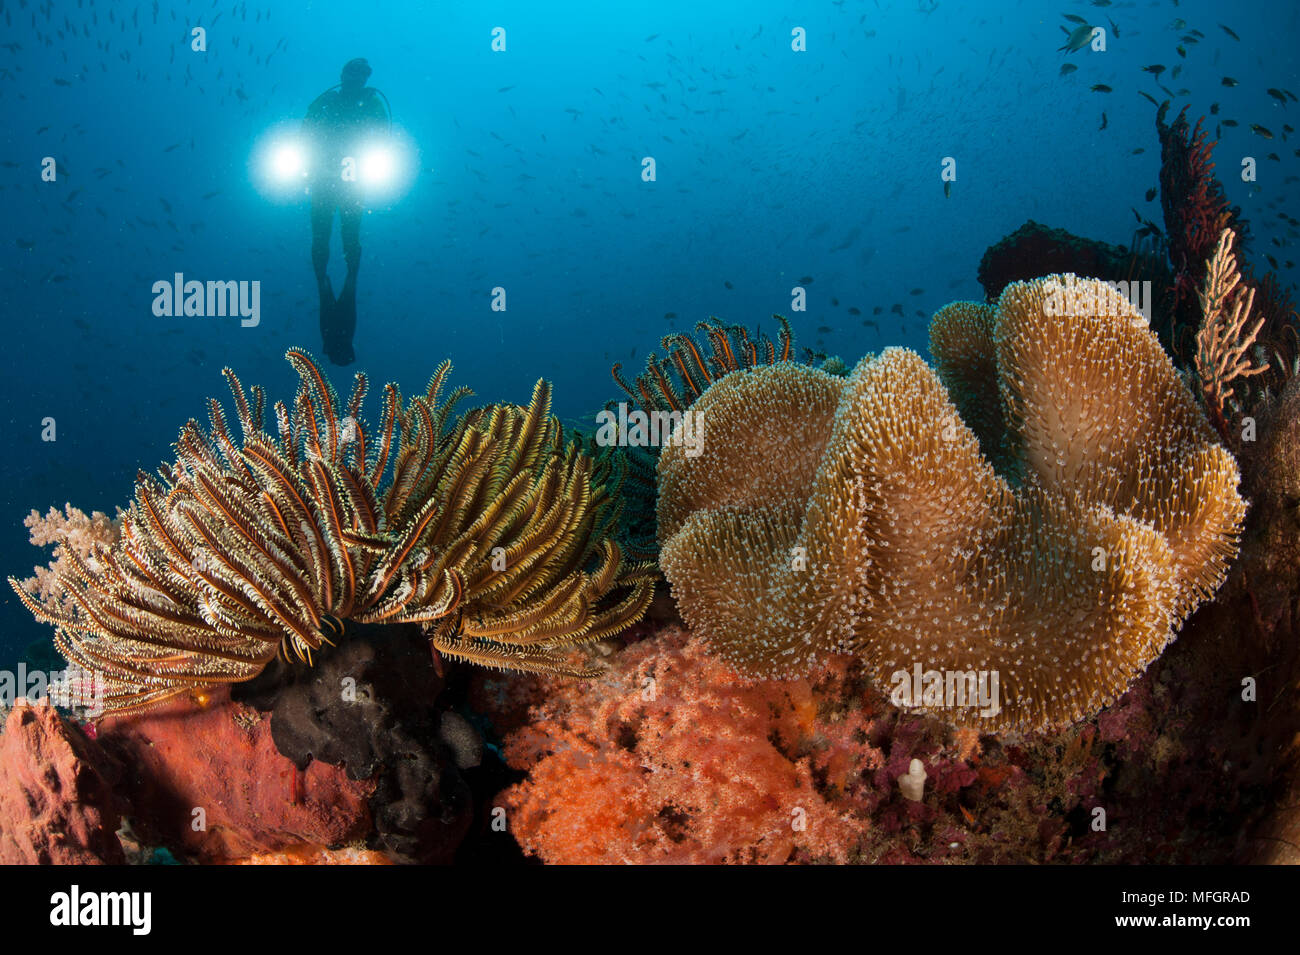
pixel 490 530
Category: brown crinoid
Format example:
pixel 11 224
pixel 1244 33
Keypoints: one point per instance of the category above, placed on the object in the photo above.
pixel 491 533
pixel 689 367
pixel 829 515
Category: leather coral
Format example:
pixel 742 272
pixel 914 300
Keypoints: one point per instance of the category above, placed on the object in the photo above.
pixel 862 515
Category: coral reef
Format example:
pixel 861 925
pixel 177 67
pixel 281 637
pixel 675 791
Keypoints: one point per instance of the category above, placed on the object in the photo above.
pixel 887 534
pixel 75 537
pixel 961 342
pixel 671 756
pixel 1223 344
pixel 57 799
pixel 368 708
pixel 1034 250
pixel 210 784
pixel 632 469
pixel 684 374
pixel 1196 213
pixel 353 761
pixel 491 533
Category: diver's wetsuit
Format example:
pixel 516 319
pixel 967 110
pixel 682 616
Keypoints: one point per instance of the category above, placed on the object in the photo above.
pixel 337 126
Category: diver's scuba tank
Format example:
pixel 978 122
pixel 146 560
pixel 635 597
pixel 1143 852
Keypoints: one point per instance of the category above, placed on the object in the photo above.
pixel 388 107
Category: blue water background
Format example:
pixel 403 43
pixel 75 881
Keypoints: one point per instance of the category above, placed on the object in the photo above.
pixel 771 165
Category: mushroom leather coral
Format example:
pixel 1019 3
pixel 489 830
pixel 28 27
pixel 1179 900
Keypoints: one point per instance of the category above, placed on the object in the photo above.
pixel 859 515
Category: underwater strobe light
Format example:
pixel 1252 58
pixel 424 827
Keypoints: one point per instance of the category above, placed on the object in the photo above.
pixel 284 165
pixel 382 166
pixel 281 162
pixel 378 165
pixel 288 162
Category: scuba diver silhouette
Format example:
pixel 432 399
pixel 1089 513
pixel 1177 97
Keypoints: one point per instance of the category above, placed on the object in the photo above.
pixel 336 127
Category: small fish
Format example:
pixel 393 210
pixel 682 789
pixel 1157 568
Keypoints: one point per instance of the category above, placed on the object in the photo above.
pixel 1229 32
pixel 1151 193
pixel 1271 261
pixel 1103 123
pixel 1139 151
pixel 835 303
pixel 1114 27
pixel 1067 69
pixel 1077 40
pixel 1100 88
pixel 61 82
pixel 917 291
pixel 1230 122
pixel 25 244
pixel 1229 81
pixel 1155 69
pixel 670 315
pixel 1260 131
pixel 1150 97
pixel 896 308
pixel 825 329
pixel 505 89
pixel 1074 18
pixel 213 194
pixel 1214 109
pixel 854 310
pixel 727 284
pixel 806 280
pixel 877 310
pixel 1181 51
pixel 1277 95
pixel 947 188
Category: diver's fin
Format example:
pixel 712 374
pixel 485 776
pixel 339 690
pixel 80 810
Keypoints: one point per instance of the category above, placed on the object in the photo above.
pixel 344 325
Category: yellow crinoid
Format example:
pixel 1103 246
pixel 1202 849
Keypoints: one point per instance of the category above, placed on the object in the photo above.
pixel 491 533
pixel 863 515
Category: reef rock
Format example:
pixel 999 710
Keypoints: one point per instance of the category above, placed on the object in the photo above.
pixel 56 793
pixel 1034 250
